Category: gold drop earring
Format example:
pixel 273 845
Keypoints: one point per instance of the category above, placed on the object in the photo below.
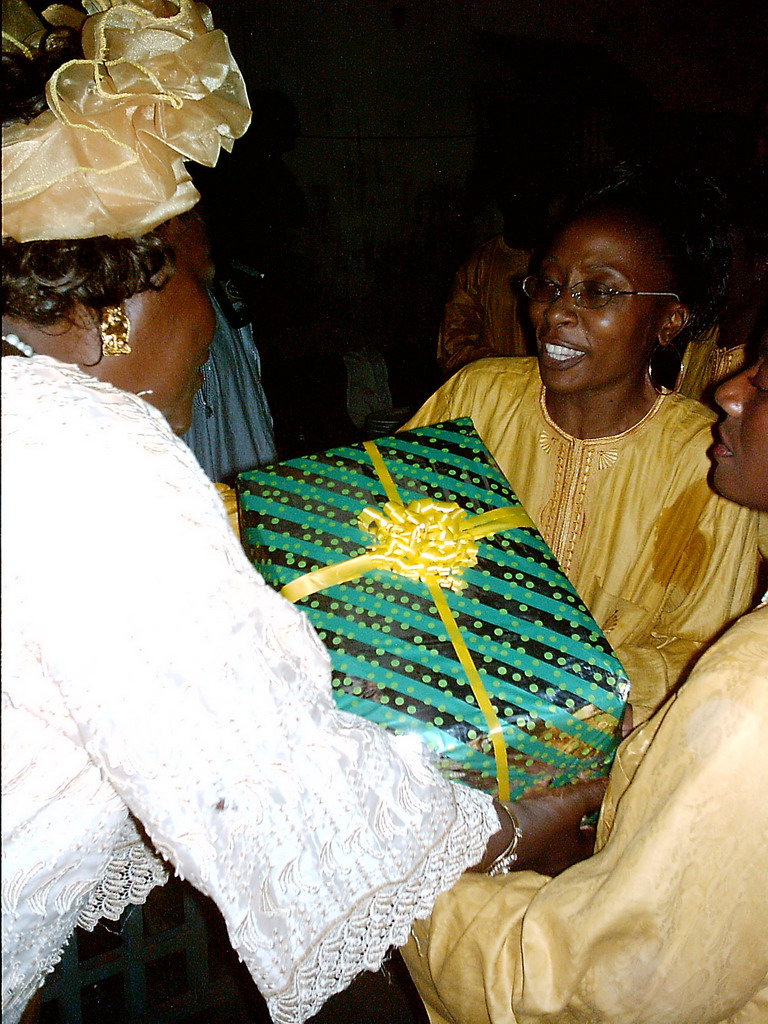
pixel 114 331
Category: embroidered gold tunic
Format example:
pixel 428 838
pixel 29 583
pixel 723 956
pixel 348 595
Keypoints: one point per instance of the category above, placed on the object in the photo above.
pixel 662 562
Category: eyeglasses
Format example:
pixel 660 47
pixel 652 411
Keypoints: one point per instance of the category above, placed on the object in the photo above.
pixel 585 294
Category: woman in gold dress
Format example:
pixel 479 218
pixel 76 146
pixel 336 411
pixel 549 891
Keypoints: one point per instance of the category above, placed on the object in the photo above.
pixel 666 923
pixel 610 463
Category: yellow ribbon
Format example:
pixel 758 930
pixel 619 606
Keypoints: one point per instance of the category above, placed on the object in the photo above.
pixel 431 541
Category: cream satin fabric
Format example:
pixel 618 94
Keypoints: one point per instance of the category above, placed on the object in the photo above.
pixel 666 924
pixel 108 157
pixel 661 561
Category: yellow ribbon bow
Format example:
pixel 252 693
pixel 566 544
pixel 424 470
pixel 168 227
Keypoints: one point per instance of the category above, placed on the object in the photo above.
pixel 431 541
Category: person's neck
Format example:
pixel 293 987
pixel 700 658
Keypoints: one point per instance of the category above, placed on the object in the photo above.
pixel 603 413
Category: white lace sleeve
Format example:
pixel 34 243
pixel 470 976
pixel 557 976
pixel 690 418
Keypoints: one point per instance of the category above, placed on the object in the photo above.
pixel 204 698
pixel 132 873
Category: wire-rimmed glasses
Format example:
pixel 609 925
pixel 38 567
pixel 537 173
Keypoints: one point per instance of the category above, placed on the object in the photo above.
pixel 585 294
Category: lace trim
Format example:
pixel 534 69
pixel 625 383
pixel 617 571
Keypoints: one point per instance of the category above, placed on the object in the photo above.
pixel 361 941
pixel 132 873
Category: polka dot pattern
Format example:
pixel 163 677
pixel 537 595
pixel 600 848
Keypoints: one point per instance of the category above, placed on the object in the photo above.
pixel 554 682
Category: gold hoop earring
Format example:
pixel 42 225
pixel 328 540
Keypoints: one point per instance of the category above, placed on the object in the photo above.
pixel 665 367
pixel 114 331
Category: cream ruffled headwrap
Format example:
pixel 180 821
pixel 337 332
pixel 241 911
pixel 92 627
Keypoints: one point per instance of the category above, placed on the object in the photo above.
pixel 107 157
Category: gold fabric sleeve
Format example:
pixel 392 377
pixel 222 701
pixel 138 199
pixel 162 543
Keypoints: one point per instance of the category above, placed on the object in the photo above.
pixel 228 497
pixel 485 313
pixel 667 921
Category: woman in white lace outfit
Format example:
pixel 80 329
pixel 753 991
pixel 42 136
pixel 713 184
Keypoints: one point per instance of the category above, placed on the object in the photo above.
pixel 158 698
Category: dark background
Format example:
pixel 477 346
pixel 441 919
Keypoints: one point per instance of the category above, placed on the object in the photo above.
pixel 387 135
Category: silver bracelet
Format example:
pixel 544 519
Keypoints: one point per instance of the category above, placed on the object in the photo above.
pixel 506 859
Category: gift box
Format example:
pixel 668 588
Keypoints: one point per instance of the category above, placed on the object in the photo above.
pixel 444 611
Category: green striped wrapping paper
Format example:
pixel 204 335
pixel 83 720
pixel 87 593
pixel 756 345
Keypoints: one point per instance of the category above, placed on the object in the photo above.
pixel 557 689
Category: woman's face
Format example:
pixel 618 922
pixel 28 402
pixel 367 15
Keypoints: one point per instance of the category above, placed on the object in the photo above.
pixel 171 332
pixel 582 351
pixel 741 448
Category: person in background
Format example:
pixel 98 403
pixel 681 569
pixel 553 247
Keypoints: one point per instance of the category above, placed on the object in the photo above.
pixel 746 305
pixel 666 922
pixel 722 351
pixel 609 462
pixel 485 315
pixel 163 709
pixel 231 427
